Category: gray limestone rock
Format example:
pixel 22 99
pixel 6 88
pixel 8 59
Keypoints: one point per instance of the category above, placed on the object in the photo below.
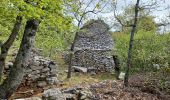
pixel 41 83
pixel 53 94
pixel 52 80
pixel 31 98
pixel 79 69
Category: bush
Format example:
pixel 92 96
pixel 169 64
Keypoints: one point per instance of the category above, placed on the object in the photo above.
pixel 150 51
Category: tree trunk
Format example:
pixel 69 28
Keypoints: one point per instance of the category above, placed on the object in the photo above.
pixel 21 62
pixel 131 44
pixel 5 47
pixel 71 57
pixel 117 66
pixel 70 65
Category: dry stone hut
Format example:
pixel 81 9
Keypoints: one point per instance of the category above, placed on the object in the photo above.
pixel 92 46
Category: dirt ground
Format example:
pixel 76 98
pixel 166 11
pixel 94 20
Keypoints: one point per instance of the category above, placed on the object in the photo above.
pixel 141 87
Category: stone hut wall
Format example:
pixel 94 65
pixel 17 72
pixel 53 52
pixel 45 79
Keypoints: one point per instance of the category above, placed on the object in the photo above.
pixel 101 60
pixel 92 46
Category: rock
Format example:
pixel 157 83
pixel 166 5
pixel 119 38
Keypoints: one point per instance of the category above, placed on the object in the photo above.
pixel 70 90
pixel 35 72
pixel 32 98
pixel 80 69
pixel 70 96
pixel 53 94
pixel 84 95
pixel 8 65
pixel 45 69
pixel 36 67
pixel 41 83
pixel 77 93
pixel 121 75
pixel 92 73
pixel 91 69
pixel 156 66
pixel 28 70
pixel 167 84
pixel 53 71
pixel 52 80
pixel 33 77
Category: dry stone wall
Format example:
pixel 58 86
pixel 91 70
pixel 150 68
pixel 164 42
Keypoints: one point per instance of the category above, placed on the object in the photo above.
pixel 101 60
pixel 40 72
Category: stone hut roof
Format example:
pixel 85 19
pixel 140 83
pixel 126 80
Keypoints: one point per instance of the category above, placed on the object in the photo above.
pixel 94 35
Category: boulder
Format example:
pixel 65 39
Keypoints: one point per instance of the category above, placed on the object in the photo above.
pixel 79 69
pixel 53 94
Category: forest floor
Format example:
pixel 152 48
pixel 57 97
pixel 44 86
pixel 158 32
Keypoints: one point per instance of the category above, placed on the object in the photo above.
pixel 104 86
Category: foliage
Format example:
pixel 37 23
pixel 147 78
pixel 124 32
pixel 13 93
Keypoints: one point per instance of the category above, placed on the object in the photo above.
pixel 145 21
pixel 84 10
pixel 55 30
pixel 150 53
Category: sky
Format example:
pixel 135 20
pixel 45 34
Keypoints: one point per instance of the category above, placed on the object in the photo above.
pixel 160 11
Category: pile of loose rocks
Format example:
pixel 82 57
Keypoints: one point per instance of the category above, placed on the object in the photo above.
pixel 40 72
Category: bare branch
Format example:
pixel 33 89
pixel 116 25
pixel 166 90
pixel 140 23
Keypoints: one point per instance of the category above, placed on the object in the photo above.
pixel 118 19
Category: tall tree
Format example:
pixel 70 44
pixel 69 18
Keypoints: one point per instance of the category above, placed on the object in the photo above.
pixel 133 30
pixel 125 19
pixel 21 62
pixel 5 46
pixel 34 12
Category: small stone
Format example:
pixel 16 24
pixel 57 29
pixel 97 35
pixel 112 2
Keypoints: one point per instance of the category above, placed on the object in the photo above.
pixel 35 72
pixel 52 80
pixel 32 98
pixel 41 83
pixel 35 77
pixel 53 71
pixel 28 70
pixel 45 69
pixel 91 69
pixel 36 67
pixel 52 66
pixel 70 91
pixel 43 76
pixel 80 69
pixel 70 96
pixel 121 76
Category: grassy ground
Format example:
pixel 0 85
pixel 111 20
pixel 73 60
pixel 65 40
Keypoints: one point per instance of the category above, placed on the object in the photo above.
pixel 79 78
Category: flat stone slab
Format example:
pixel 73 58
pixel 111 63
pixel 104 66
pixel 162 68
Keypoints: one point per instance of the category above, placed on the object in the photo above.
pixel 32 98
pixel 79 69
